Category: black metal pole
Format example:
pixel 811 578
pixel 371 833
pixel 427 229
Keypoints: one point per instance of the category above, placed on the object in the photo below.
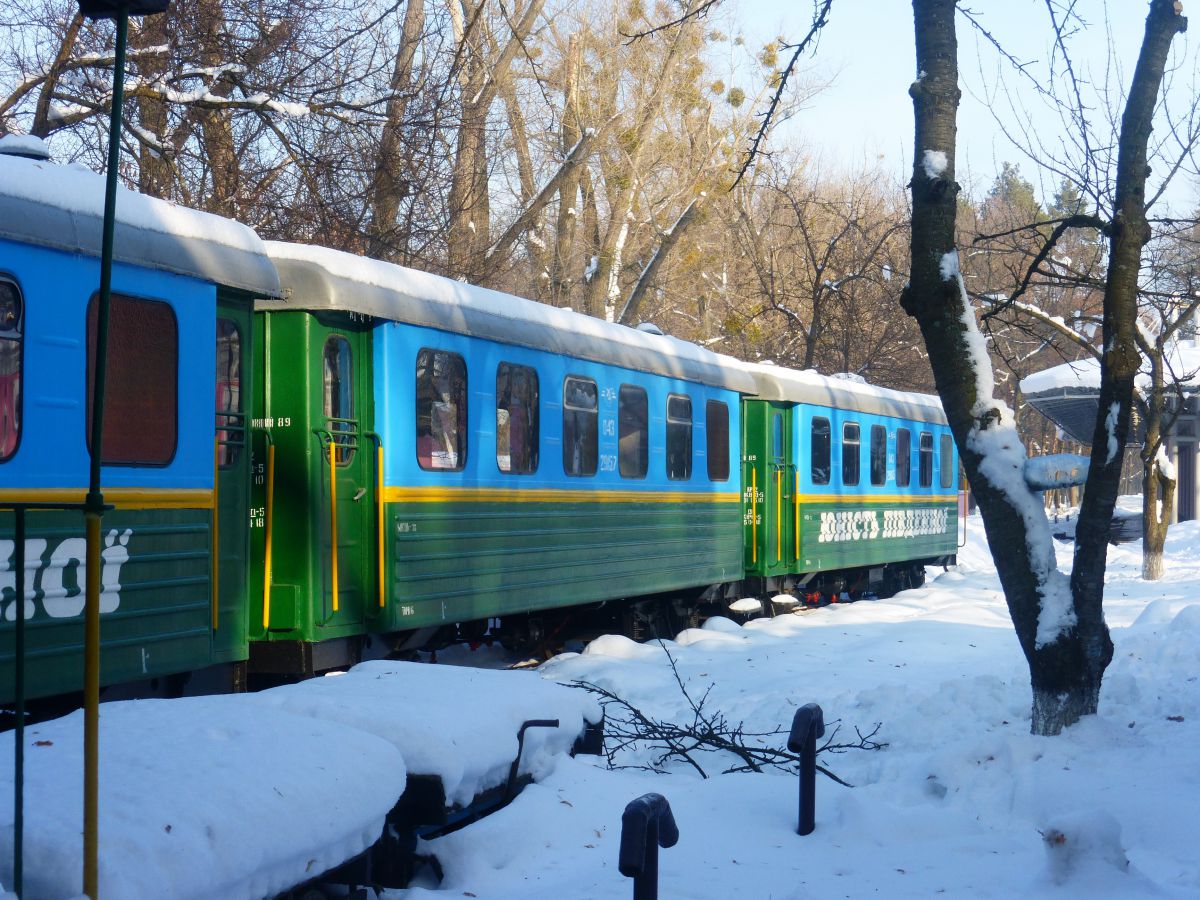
pixel 19 727
pixel 94 502
pixel 646 825
pixel 807 725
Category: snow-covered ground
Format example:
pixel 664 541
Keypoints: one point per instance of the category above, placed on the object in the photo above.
pixel 960 802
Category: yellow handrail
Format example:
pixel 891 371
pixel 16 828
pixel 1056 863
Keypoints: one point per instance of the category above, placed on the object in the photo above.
pixel 379 519
pixel 216 547
pixel 754 515
pixel 267 524
pixel 333 523
pixel 778 515
pixel 796 512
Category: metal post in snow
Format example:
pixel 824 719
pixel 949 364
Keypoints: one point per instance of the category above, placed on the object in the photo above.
pixel 646 825
pixel 120 11
pixel 807 725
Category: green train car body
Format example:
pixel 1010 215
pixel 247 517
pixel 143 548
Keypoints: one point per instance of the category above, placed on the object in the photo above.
pixel 460 535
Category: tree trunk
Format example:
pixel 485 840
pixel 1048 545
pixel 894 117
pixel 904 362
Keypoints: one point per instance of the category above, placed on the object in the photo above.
pixel 1067 648
pixel 561 280
pixel 388 185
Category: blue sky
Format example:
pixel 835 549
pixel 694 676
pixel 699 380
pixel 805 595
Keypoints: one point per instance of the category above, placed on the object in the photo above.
pixel 867 113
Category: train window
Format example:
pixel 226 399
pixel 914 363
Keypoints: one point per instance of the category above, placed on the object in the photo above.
pixel 903 457
pixel 516 419
pixel 580 436
pixel 231 428
pixel 716 430
pixel 946 462
pixel 441 411
pixel 633 431
pixel 851 441
pixel 925 460
pixel 820 451
pixel 338 398
pixel 11 331
pixel 141 396
pixel 679 437
pixel 777 448
pixel 878 455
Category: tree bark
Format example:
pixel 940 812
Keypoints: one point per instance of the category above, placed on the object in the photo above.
pixel 388 186
pixel 1066 667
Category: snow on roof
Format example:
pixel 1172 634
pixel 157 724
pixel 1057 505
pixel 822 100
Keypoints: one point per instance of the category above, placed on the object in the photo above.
pixel 1083 376
pixel 778 383
pixel 316 278
pixel 63 207
pixel 458 724
pixel 199 797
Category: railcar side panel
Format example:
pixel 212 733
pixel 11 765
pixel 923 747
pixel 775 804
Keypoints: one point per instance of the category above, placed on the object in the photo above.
pixel 468 539
pixel 156 604
pixel 829 489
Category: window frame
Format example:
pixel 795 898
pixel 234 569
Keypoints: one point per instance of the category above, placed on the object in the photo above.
pixel 827 453
pixel 20 338
pixel 89 370
pixel 461 419
pixel 680 424
pixel 535 424
pixel 344 451
pixel 904 460
pixel 720 452
pixel 945 460
pixel 595 430
pixel 621 434
pixel 925 460
pixel 232 451
pixel 878 455
pixel 856 455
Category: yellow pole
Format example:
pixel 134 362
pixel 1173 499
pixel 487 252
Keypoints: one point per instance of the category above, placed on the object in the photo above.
pixel 754 515
pixel 778 515
pixel 267 548
pixel 91 707
pixel 796 512
pixel 379 521
pixel 216 546
pixel 333 551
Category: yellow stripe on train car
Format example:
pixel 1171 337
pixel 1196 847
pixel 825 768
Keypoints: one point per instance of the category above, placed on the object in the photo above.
pixel 120 498
pixel 547 495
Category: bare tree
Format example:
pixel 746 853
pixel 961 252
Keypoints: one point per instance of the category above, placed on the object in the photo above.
pixel 1061 629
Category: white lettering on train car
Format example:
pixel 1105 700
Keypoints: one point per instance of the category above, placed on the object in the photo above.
pixel 49 579
pixel 870 525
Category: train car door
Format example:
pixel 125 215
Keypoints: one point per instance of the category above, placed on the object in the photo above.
pixel 781 488
pixel 230 520
pixel 345 477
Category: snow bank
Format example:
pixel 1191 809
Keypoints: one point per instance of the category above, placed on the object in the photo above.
pixel 456 723
pixel 200 797
pixel 957 803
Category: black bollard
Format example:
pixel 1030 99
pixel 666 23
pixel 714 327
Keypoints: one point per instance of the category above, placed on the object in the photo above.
pixel 807 725
pixel 646 825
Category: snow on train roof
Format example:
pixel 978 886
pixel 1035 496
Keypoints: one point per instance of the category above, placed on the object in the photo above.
pixel 778 383
pixel 317 278
pixel 63 207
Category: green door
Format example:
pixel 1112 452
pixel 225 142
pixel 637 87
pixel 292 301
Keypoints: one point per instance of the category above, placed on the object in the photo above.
pixel 780 500
pixel 230 519
pixel 346 468
pixel 769 481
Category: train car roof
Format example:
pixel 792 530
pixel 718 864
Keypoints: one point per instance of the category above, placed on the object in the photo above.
pixel 791 386
pixel 62 207
pixel 317 278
